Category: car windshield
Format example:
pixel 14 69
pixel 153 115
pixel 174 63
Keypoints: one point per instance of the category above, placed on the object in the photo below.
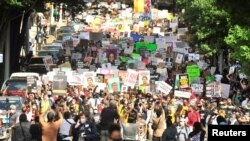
pixel 36 61
pixel 46 53
pixel 5 104
pixel 17 86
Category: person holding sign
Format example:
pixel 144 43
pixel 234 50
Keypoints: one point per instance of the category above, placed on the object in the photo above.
pixel 145 81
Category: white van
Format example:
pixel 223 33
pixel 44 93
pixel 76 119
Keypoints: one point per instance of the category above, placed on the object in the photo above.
pixel 25 74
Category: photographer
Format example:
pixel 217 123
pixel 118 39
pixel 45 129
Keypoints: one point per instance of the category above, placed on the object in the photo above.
pixel 85 129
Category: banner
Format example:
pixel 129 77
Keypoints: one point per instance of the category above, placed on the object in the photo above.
pixel 182 94
pixel 114 85
pixel 183 81
pixel 131 78
pixel 164 87
pixel 144 77
pixel 89 80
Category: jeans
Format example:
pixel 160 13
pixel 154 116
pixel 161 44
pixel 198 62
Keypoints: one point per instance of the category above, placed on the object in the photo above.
pixel 104 135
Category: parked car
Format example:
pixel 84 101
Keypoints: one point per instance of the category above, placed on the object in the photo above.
pixel 38 65
pixel 53 53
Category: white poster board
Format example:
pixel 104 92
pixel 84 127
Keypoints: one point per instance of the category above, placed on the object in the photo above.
pixel 164 87
pixel 182 94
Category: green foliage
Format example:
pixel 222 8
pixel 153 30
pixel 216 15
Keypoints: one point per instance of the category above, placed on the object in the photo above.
pixel 207 23
pixel 18 3
pixel 239 40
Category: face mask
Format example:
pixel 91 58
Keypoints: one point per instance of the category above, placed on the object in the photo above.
pixel 83 120
pixel 182 123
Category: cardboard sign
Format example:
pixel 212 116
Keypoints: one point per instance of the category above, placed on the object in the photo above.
pixel 179 58
pixel 197 88
pixel 114 85
pixel 182 94
pixel 164 87
pixel 131 78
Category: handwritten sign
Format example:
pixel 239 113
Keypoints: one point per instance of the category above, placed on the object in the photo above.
pixel 131 78
pixel 197 88
pixel 182 94
pixel 164 87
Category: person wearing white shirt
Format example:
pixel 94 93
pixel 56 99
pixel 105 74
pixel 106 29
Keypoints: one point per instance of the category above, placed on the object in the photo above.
pixel 65 128
pixel 244 102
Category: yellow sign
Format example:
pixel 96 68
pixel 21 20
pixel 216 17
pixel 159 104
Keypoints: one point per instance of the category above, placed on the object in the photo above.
pixel 138 5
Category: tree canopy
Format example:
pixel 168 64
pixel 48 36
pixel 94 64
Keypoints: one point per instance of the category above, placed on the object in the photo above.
pixel 218 25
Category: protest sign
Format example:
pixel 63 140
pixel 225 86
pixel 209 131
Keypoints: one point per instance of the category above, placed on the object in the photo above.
pixel 131 78
pixel 99 78
pixel 59 84
pixel 225 90
pixel 182 94
pixel 179 58
pixel 160 41
pixel 183 81
pixel 197 88
pixel 149 39
pixel 74 79
pixel 124 89
pixel 231 70
pixel 100 87
pixel 89 80
pixel 164 87
pixel 149 46
pixel 122 75
pixel 156 30
pixel 114 85
pixel 48 60
pixel 144 77
pixel 193 72
pixel 212 70
pixel 76 56
pixel 104 71
pixel 84 35
pixel 193 57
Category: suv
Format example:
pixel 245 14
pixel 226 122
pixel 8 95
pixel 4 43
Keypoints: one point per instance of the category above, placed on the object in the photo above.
pixel 37 65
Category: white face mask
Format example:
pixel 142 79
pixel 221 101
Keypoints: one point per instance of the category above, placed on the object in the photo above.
pixel 182 123
pixel 83 120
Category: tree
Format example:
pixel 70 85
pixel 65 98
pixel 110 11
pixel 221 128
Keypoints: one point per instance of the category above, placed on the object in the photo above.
pixel 207 23
pixel 239 41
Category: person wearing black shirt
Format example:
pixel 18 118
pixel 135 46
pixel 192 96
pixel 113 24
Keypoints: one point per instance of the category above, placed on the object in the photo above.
pixel 108 116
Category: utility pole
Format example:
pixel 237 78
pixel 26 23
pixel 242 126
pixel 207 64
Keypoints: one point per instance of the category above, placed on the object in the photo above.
pixel 7 54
